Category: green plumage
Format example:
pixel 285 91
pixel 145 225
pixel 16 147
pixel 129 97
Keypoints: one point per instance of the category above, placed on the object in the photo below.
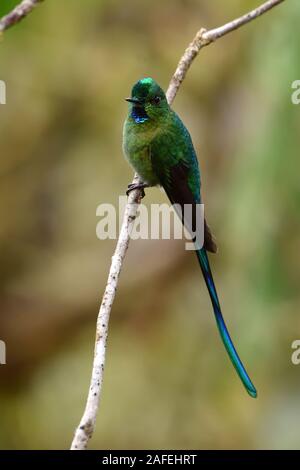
pixel 159 148
pixel 162 137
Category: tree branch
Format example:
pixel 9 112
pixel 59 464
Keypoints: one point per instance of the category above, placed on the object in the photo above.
pixel 204 38
pixel 17 14
pixel 87 424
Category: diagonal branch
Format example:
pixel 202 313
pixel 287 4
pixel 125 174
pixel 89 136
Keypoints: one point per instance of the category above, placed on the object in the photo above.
pixel 88 421
pixel 204 38
pixel 17 14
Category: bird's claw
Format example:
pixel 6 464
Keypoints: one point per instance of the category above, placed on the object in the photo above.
pixel 140 186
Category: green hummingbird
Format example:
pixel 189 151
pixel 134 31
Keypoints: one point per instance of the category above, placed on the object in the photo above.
pixel 159 148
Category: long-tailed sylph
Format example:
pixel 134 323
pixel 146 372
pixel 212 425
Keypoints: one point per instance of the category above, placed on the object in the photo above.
pixel 159 147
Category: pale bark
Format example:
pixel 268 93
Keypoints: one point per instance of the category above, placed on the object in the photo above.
pixel 17 14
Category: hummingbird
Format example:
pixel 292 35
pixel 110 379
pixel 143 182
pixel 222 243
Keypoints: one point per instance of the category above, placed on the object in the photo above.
pixel 159 147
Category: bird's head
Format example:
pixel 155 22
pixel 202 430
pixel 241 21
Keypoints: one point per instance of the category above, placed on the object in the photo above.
pixel 148 101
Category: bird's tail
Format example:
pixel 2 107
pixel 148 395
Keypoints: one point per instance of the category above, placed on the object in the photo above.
pixel 207 274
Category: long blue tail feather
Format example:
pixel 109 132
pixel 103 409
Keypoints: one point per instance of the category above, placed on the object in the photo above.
pixel 237 363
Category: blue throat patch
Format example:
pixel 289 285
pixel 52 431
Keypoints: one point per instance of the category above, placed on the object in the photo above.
pixel 139 114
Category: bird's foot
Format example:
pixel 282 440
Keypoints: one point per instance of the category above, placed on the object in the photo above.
pixel 140 186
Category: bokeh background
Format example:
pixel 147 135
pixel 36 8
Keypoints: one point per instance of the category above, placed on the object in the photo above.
pixel 168 382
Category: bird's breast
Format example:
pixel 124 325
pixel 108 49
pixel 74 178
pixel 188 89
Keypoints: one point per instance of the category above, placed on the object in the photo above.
pixel 137 144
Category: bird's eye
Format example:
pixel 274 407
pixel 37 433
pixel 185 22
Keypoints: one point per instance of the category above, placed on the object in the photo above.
pixel 156 100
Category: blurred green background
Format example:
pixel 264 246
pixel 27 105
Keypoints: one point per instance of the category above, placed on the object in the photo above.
pixel 168 382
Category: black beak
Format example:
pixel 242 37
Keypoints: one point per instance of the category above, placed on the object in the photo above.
pixel 134 101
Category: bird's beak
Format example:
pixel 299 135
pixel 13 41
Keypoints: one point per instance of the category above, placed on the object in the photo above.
pixel 134 101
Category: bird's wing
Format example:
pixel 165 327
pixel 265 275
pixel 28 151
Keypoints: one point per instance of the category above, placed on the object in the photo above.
pixel 176 168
